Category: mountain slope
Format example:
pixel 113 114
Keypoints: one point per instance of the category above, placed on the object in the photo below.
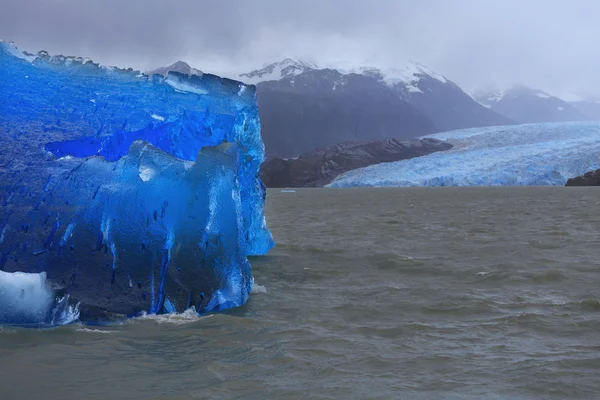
pixel 437 98
pixel 303 108
pixel 590 108
pixel 442 100
pixel 451 108
pixel 318 108
pixel 527 105
pixel 321 166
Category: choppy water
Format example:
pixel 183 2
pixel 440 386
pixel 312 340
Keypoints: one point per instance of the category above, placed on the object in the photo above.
pixel 371 294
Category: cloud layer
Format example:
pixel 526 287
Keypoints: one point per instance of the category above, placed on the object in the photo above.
pixel 547 44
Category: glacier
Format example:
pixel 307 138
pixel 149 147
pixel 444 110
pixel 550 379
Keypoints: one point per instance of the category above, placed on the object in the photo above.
pixel 523 155
pixel 122 193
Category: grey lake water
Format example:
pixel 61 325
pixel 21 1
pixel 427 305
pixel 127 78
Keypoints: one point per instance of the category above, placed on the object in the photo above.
pixel 450 293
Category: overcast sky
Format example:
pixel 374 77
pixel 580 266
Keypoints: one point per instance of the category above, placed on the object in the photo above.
pixel 547 44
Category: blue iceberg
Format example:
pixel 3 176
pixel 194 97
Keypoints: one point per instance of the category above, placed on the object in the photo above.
pixel 525 155
pixel 123 193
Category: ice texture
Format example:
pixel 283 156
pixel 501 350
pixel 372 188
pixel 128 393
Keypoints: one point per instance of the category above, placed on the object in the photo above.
pixel 534 154
pixel 28 299
pixel 129 193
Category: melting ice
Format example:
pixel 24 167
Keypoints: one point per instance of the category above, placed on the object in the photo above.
pixel 121 193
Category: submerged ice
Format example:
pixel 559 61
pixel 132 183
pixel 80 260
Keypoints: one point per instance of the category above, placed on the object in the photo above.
pixel 123 193
pixel 537 154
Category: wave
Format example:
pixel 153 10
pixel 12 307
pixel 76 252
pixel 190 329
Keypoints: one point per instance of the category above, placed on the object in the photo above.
pixel 188 316
pixel 88 330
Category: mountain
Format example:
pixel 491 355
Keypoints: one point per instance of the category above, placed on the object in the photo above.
pixel 319 167
pixel 304 107
pixel 279 70
pixel 322 107
pixel 590 107
pixel 440 99
pixel 527 105
pixel 179 66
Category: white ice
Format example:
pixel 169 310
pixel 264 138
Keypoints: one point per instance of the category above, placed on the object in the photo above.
pixel 534 154
pixel 24 298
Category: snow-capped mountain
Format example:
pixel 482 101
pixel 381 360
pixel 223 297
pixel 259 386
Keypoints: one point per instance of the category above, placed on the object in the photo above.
pixel 527 105
pixel 430 93
pixel 180 66
pixel 279 70
pixel 407 78
pixel 323 107
pixel 304 106
pixel 442 100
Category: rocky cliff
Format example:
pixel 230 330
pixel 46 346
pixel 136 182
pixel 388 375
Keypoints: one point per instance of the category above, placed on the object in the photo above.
pixel 591 178
pixel 321 166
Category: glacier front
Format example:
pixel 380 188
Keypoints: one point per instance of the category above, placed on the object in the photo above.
pixel 535 154
pixel 123 193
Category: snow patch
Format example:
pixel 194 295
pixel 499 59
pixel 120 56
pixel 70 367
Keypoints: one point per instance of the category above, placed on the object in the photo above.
pixel 287 68
pixel 409 75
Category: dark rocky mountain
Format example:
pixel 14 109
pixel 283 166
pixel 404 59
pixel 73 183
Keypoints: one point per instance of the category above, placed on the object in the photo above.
pixel 527 105
pixel 321 166
pixel 591 178
pixel 303 107
pixel 440 99
pixel 319 108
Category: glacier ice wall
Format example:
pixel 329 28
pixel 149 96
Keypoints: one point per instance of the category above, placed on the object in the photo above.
pixel 536 154
pixel 129 193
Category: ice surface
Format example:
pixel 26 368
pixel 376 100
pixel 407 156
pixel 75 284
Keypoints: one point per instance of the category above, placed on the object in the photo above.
pixel 536 154
pixel 131 193
pixel 27 299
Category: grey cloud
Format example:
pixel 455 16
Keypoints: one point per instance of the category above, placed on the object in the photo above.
pixel 549 44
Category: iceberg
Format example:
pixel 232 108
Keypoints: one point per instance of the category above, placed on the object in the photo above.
pixel 124 194
pixel 533 154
